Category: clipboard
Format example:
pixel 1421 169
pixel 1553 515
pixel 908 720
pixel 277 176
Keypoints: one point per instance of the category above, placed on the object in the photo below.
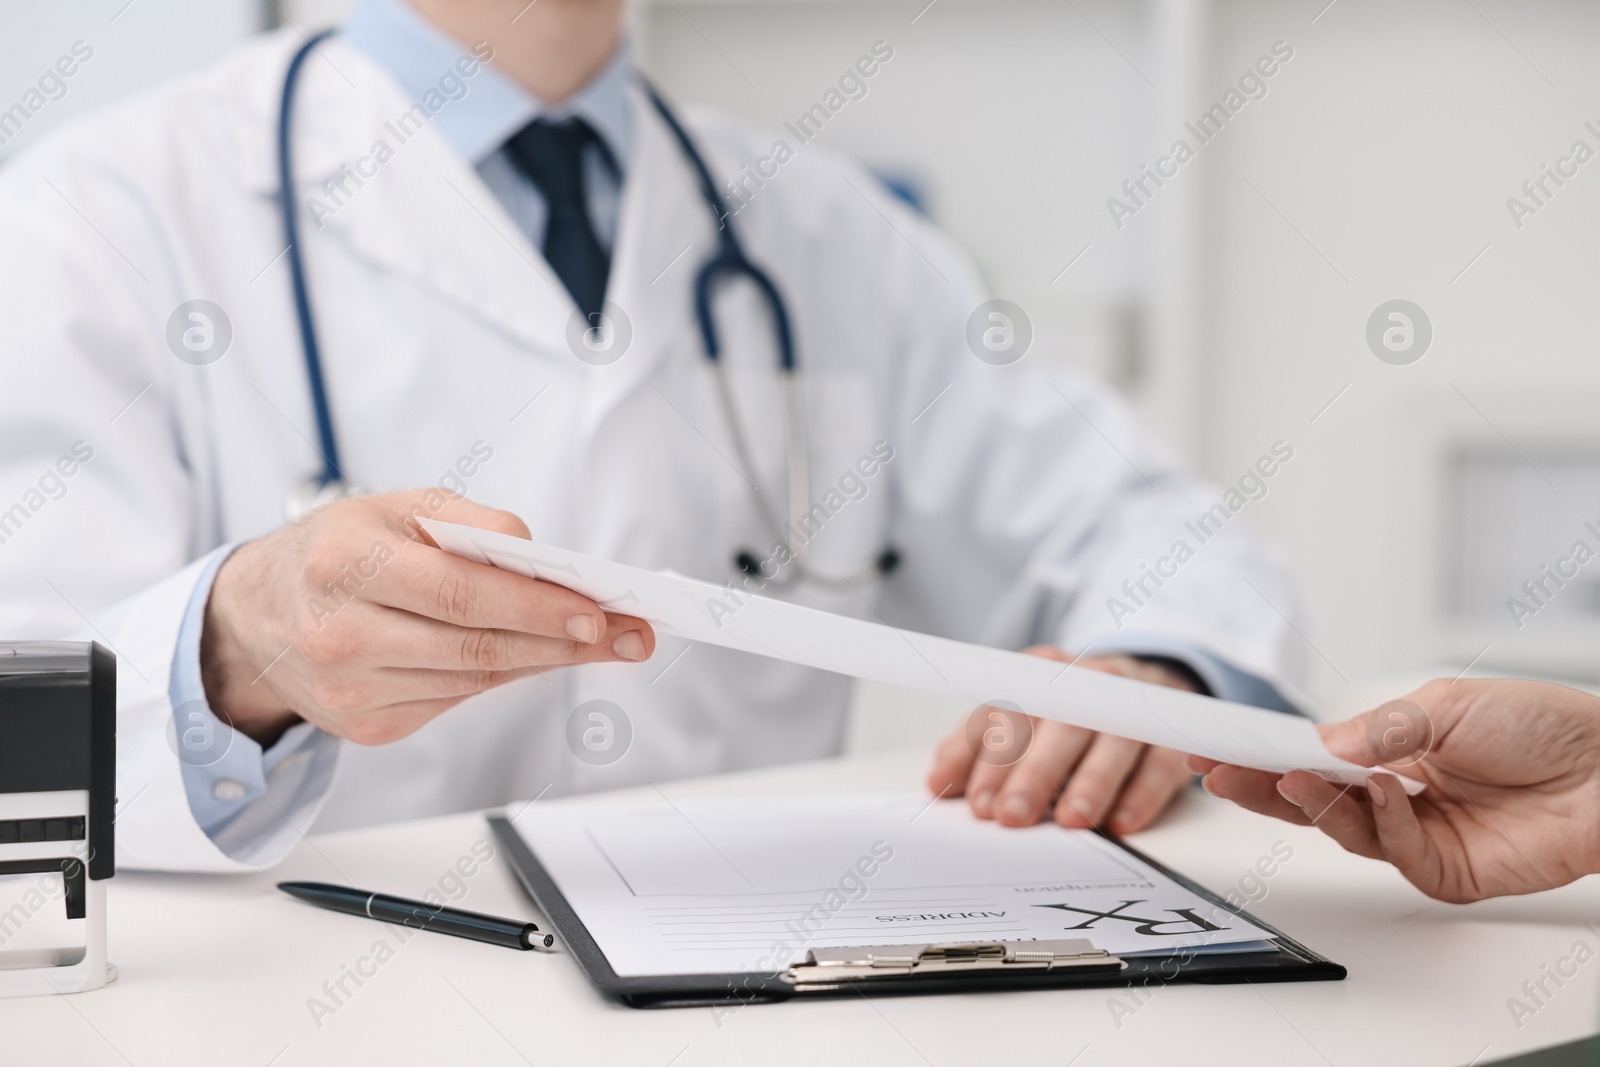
pixel 956 967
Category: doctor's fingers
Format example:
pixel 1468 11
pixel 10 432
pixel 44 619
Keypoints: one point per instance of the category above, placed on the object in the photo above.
pixel 385 726
pixel 1157 779
pixel 1097 781
pixel 427 581
pixel 345 696
pixel 467 512
pixel 952 765
pixel 375 635
pixel 1017 795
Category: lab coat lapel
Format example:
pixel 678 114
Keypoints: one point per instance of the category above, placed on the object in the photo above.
pixel 424 214
pixel 409 204
pixel 664 233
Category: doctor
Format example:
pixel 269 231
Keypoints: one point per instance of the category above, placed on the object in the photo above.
pixel 494 245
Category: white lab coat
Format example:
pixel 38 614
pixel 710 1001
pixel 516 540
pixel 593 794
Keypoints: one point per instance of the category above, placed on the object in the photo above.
pixel 1014 514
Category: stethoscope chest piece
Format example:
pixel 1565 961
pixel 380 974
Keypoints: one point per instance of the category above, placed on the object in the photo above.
pixel 315 493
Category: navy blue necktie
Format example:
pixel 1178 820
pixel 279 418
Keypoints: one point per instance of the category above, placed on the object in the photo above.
pixel 551 155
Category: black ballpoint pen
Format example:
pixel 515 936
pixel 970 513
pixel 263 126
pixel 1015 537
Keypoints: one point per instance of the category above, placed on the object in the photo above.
pixel 508 933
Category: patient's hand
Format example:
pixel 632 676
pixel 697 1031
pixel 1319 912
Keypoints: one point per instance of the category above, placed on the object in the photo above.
pixel 1035 766
pixel 1512 803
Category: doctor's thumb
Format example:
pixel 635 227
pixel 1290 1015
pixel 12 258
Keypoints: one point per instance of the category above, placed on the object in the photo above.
pixel 471 513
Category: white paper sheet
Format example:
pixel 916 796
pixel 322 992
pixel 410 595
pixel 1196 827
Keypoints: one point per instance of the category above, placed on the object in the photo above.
pixel 700 611
pixel 742 885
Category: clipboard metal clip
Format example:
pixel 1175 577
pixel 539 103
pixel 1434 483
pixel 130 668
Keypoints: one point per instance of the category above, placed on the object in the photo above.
pixel 824 968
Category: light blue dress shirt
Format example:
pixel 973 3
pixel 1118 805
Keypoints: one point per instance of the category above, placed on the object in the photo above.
pixel 241 795
pixel 494 108
pixel 243 798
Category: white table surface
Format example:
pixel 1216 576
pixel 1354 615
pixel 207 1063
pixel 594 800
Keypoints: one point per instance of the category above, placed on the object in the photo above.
pixel 219 970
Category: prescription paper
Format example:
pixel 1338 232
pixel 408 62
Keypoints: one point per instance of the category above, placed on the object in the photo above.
pixel 741 885
pixel 1157 715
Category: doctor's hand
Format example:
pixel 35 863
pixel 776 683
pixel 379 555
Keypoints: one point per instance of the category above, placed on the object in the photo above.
pixel 1512 803
pixel 353 619
pixel 1084 778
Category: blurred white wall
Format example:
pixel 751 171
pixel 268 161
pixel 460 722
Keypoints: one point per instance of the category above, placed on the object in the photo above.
pixel 945 112
pixel 1380 168
pixel 132 44
pixel 1016 118
pixel 1377 167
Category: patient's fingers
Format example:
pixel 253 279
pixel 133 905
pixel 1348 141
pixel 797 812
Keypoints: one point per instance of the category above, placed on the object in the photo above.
pixel 1256 791
pixel 1405 844
pixel 1335 811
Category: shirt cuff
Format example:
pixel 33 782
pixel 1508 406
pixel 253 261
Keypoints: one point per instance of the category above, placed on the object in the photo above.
pixel 246 799
pixel 1223 679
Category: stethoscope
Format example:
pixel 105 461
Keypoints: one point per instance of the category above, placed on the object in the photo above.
pixel 728 262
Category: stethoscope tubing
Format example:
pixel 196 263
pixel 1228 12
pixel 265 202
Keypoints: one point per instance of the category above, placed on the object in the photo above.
pixel 729 263
pixel 332 470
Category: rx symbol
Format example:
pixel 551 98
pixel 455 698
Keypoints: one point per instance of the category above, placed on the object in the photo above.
pixel 1148 927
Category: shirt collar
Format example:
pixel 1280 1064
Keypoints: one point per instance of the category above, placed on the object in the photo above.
pixel 483 110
